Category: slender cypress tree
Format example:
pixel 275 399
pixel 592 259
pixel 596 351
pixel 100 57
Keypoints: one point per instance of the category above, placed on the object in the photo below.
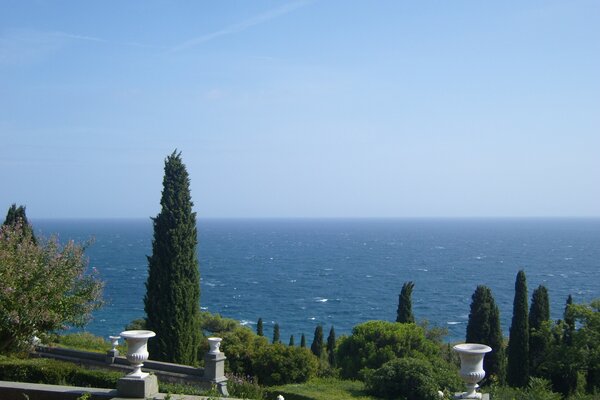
pixel 276 338
pixel 317 345
pixel 539 314
pixel 303 341
pixel 484 327
pixel 259 327
pixel 569 322
pixel 16 215
pixel 172 301
pixel 517 372
pixel 331 346
pixel 291 343
pixel 404 313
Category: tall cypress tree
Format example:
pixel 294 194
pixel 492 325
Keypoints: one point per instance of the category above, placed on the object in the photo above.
pixel 16 215
pixel 404 313
pixel 517 372
pixel 276 338
pixel 172 301
pixel 569 322
pixel 317 345
pixel 539 314
pixel 291 343
pixel 259 327
pixel 303 341
pixel 484 327
pixel 331 346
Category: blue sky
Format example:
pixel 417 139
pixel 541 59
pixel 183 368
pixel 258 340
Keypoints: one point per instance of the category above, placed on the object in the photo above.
pixel 317 108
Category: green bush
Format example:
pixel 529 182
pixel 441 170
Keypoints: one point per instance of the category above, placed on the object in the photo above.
pixel 278 364
pixel 374 343
pixel 81 341
pixel 407 378
pixel 42 370
pixel 537 389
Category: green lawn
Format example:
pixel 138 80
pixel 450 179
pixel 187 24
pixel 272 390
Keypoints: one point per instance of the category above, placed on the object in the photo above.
pixel 322 389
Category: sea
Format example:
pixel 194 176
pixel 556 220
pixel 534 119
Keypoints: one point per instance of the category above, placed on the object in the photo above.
pixel 301 273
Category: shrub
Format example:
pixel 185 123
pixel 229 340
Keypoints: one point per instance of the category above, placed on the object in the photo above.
pixel 374 343
pixel 408 378
pixel 43 287
pixel 278 364
pixel 40 370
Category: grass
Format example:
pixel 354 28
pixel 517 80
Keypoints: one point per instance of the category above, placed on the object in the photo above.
pixel 84 341
pixel 322 389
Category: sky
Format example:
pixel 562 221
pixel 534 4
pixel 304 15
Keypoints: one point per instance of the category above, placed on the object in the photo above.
pixel 316 108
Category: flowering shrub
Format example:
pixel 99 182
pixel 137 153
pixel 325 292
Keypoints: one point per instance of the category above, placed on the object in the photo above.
pixel 43 287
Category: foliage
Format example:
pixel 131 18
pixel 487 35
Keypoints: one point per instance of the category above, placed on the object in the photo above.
pixel 136 324
pixel 374 343
pixel 539 320
pixel 16 216
pixel 172 301
pixel 407 378
pixel 537 389
pixel 81 341
pixel 404 313
pixel 484 327
pixel 303 341
pixel 276 337
pixel 278 364
pixel 517 373
pixel 43 287
pixel 331 347
pixel 569 322
pixel 317 345
pixel 259 327
pixel 321 389
pixel 291 342
pixel 53 372
pixel 244 388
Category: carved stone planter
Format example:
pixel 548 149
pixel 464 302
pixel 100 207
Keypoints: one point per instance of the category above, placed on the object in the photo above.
pixel 471 367
pixel 137 350
pixel 214 343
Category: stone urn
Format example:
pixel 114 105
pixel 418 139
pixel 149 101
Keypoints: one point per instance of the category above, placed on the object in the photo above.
pixel 471 367
pixel 214 343
pixel 114 340
pixel 137 350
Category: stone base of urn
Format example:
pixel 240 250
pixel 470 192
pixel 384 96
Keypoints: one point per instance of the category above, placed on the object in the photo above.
pixel 137 387
pixel 214 371
pixel 482 396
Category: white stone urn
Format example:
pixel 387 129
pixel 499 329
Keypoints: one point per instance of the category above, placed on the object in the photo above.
pixel 114 340
pixel 214 343
pixel 471 367
pixel 137 350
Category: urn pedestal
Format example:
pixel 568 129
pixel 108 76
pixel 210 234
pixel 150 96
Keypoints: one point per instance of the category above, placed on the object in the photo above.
pixel 471 367
pixel 137 383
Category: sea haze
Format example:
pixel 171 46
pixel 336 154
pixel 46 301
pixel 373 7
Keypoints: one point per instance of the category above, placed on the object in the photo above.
pixel 304 272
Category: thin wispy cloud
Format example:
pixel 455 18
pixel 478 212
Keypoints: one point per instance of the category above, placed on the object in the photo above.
pixel 242 26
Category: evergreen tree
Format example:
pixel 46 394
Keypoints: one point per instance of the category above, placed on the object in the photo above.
pixel 331 346
pixel 404 313
pixel 172 301
pixel 276 338
pixel 484 327
pixel 539 317
pixel 317 344
pixel 517 373
pixel 303 341
pixel 16 215
pixel 291 343
pixel 259 327
pixel 569 322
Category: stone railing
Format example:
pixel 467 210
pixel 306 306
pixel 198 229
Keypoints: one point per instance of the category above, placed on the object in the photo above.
pixel 212 375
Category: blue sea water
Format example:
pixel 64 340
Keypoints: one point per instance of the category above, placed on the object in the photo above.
pixel 304 272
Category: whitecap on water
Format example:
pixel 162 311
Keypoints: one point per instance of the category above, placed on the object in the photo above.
pixel 321 300
pixel 453 322
pixel 423 269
